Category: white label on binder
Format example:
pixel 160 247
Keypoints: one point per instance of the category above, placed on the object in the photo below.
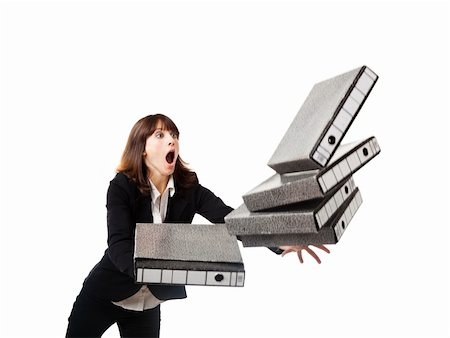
pixel 152 276
pixel 179 276
pixel 333 204
pixel 357 95
pixel 339 199
pixel 323 216
pixel 233 278
pixel 319 158
pixel 359 198
pixel 348 214
pixel 345 168
pixel 322 184
pixel 353 161
pixel 352 207
pixel 364 83
pixel 139 275
pixel 352 185
pixel 351 106
pixel 375 144
pixel 369 72
pixel 337 172
pixel 342 120
pixel 240 279
pixel 196 277
pixel 323 151
pixel 166 276
pixel 329 210
pixel 329 179
pixel 372 147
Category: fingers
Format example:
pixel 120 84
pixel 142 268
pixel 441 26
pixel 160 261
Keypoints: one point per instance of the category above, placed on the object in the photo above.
pixel 313 254
pixel 287 251
pixel 322 247
pixel 299 248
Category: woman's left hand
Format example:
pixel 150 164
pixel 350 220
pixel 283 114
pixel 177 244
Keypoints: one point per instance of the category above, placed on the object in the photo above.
pixel 299 248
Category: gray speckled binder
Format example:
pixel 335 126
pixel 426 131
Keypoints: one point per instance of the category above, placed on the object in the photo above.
pixel 296 219
pixel 190 254
pixel 331 233
pixel 285 189
pixel 322 121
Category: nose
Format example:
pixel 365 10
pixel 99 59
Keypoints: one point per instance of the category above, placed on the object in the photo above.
pixel 171 140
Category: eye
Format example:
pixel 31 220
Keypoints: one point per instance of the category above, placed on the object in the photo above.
pixel 158 134
pixel 174 135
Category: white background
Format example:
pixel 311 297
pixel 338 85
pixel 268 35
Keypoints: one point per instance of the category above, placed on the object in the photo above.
pixel 76 76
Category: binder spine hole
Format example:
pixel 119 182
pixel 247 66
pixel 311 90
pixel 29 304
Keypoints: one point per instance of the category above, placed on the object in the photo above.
pixel 218 277
pixel 331 139
pixel 343 224
pixel 365 151
pixel 346 189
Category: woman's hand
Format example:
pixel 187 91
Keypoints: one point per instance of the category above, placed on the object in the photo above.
pixel 299 248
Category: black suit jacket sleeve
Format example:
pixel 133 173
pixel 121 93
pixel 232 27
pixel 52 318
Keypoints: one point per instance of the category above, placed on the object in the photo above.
pixel 210 206
pixel 120 229
pixel 214 210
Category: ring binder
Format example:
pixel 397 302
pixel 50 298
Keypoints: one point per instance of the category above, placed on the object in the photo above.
pixel 322 121
pixel 187 254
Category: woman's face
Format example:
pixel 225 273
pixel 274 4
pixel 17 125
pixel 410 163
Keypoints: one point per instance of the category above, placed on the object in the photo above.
pixel 161 152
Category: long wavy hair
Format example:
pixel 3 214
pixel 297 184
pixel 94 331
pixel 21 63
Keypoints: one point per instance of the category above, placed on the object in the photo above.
pixel 132 163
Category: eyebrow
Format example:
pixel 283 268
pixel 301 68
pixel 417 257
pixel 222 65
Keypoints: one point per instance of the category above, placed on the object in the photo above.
pixel 170 131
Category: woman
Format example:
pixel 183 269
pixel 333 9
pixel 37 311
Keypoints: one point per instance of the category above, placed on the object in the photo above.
pixel 153 185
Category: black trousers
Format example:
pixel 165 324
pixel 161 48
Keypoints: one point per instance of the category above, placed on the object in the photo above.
pixel 91 317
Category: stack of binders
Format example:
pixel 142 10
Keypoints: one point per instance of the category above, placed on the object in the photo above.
pixel 312 197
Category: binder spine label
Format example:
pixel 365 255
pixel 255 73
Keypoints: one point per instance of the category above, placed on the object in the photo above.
pixel 348 165
pixel 190 277
pixel 331 206
pixel 347 216
pixel 344 117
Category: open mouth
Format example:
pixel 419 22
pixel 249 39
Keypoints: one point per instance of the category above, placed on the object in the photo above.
pixel 170 157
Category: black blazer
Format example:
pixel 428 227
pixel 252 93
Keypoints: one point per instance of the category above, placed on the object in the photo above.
pixel 113 277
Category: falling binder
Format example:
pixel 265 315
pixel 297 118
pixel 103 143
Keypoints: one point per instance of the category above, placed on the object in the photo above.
pixel 285 189
pixel 187 254
pixel 304 218
pixel 330 233
pixel 322 121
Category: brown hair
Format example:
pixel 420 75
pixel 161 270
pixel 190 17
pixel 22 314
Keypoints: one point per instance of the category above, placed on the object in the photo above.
pixel 132 163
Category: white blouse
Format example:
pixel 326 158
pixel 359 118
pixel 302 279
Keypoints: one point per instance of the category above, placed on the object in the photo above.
pixel 144 299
